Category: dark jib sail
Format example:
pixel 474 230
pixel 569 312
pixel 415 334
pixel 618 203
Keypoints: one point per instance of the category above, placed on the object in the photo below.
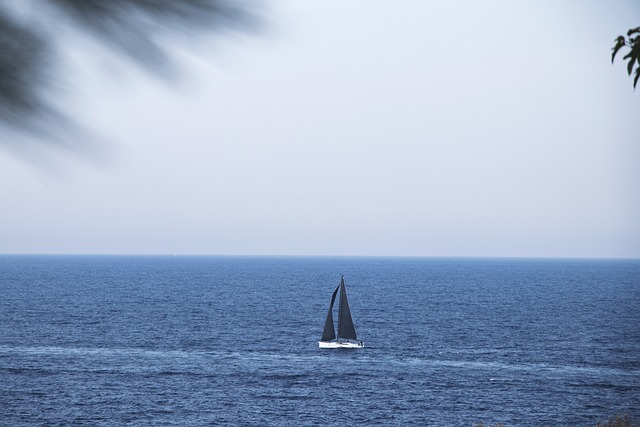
pixel 346 329
pixel 329 332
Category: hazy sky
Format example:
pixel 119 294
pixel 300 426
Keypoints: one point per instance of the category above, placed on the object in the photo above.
pixel 457 128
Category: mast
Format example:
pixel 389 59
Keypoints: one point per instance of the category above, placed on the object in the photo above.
pixel 329 332
pixel 345 322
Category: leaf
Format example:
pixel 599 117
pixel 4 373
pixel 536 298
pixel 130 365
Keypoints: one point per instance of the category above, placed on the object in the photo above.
pixel 620 41
pixel 633 31
pixel 630 65
pixel 635 80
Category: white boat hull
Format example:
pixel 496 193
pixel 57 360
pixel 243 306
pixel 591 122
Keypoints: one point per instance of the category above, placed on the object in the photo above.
pixel 340 344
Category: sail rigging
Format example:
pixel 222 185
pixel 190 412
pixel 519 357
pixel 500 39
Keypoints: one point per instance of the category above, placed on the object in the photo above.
pixel 346 336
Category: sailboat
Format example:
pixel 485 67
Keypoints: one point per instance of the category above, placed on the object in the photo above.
pixel 347 337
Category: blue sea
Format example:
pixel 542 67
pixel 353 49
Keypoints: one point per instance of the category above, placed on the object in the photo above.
pixel 197 341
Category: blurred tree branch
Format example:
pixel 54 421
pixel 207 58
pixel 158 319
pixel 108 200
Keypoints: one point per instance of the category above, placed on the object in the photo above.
pixel 133 27
pixel 633 56
pixel 23 61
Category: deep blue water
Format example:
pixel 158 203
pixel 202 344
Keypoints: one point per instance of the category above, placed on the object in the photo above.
pixel 233 341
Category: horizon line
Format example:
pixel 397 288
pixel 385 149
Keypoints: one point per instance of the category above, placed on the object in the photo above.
pixel 211 255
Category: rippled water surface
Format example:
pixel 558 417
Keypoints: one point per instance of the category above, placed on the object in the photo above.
pixel 233 341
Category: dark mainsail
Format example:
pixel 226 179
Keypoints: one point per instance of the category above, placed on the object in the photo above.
pixel 329 332
pixel 345 323
pixel 346 337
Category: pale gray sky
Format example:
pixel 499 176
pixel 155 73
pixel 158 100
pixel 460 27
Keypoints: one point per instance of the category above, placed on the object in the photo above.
pixel 456 128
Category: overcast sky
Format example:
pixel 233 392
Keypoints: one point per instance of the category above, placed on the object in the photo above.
pixel 457 128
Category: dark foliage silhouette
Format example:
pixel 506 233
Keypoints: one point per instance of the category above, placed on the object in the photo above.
pixel 633 56
pixel 139 29
pixel 618 421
